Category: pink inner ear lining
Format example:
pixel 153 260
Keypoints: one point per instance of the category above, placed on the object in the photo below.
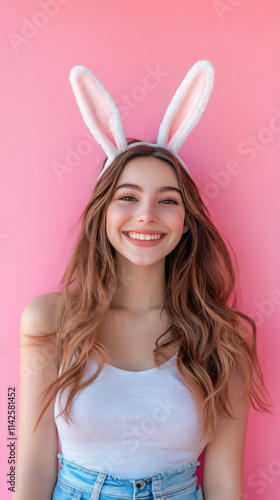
pixel 193 93
pixel 99 108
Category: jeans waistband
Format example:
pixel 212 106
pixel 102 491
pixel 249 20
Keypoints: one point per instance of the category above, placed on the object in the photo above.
pixel 170 480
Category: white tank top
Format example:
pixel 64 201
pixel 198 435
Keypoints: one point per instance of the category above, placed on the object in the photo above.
pixel 131 424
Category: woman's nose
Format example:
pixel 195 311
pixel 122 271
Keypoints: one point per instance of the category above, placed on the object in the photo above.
pixel 147 213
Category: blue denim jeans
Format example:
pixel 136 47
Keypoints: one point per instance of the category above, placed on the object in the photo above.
pixel 76 482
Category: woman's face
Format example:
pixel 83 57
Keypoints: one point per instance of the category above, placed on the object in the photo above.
pixel 145 218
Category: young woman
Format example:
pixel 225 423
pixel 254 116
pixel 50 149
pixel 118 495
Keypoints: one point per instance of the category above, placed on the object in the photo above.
pixel 142 358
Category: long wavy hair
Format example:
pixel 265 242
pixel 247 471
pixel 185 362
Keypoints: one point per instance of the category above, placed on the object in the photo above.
pixel 216 341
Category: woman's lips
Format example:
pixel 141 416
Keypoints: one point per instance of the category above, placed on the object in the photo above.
pixel 144 243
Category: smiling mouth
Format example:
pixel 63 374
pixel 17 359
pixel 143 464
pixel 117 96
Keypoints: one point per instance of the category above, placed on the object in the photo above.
pixel 144 237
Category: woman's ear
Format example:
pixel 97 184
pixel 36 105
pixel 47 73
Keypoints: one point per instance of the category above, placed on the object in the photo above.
pixel 185 228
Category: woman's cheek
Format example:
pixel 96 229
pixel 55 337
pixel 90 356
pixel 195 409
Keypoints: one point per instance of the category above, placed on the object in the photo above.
pixel 117 214
pixel 176 219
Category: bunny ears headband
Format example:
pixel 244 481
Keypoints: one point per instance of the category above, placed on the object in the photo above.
pixel 102 116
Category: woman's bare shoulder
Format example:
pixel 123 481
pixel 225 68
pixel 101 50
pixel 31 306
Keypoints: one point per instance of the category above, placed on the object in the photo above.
pixel 39 313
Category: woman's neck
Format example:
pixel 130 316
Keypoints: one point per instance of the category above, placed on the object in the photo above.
pixel 140 288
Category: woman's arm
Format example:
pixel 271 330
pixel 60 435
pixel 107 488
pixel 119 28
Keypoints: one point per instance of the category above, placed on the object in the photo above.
pixel 36 468
pixel 224 455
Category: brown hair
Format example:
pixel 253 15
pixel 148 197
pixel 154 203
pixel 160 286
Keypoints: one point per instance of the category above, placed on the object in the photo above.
pixel 215 341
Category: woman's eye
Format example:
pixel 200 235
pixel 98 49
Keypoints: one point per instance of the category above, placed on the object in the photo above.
pixel 124 197
pixel 172 201
pixel 128 197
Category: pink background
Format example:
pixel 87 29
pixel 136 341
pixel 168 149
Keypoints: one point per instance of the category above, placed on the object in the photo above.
pixel 232 155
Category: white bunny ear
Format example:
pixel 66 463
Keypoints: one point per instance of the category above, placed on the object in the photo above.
pixel 187 106
pixel 99 111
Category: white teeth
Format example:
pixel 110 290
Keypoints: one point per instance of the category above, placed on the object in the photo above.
pixel 141 236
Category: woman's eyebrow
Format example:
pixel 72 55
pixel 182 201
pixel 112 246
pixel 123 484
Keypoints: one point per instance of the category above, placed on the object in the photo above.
pixel 139 188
